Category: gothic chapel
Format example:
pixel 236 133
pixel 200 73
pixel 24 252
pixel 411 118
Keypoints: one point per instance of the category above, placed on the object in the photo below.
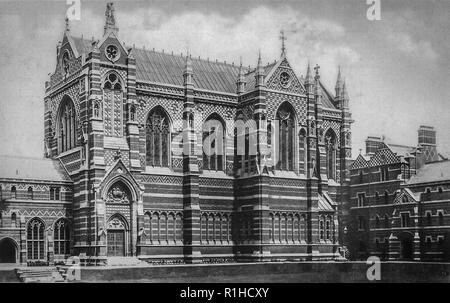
pixel 115 181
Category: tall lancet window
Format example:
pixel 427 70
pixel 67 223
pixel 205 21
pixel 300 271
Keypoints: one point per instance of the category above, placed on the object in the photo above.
pixel 67 125
pixel 286 130
pixel 303 151
pixel 113 105
pixel 157 138
pixel 214 143
pixel 330 150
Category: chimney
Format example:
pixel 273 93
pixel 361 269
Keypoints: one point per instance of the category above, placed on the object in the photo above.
pixel 372 145
pixel 427 143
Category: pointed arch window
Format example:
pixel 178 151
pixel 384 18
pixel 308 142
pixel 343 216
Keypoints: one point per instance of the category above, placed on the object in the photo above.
pixel 30 193
pixel 13 192
pixel 35 240
pixel 286 124
pixel 14 220
pixel 157 138
pixel 213 143
pixel 113 105
pixel 61 237
pixel 330 151
pixel 67 126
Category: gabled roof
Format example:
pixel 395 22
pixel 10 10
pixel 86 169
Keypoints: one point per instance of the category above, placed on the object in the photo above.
pixel 39 169
pixel 383 156
pixel 323 204
pixel 431 172
pixel 327 97
pixel 360 162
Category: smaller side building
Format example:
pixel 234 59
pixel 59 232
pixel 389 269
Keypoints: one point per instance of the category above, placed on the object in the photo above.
pixel 35 211
pixel 400 201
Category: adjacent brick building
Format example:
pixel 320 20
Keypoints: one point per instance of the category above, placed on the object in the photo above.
pixel 400 201
pixel 126 172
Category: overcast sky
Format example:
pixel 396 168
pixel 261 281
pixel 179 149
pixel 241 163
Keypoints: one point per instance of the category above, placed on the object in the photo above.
pixel 397 69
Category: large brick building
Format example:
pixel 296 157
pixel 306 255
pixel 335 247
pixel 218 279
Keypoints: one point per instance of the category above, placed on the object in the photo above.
pixel 127 171
pixel 400 201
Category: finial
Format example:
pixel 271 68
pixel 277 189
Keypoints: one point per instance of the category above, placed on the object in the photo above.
pixel 110 20
pixel 283 40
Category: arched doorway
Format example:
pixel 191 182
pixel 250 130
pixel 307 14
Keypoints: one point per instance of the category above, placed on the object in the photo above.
pixel 116 237
pixel 8 251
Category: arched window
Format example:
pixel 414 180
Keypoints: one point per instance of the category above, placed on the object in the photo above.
pixel 113 105
pixel 67 125
pixel 441 218
pixel 178 228
pixel 386 197
pixel 154 228
pixel 321 228
pixel 13 192
pixel 13 220
pixel 157 138
pixel 1 219
pixel 277 235
pixel 328 228
pixel 361 177
pixel 377 197
pixel 66 61
pixel 303 151
pixel 405 199
pixel 35 240
pixel 386 221
pixel 61 237
pixel 330 152
pixel 30 193
pixel 286 124
pixel 204 228
pixel 213 143
pixel 377 221
pixel 429 219
pixel 361 224
pixel 272 228
pixel 303 228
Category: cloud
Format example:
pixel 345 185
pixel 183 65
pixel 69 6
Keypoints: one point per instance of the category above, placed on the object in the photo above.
pixel 416 48
pixel 215 36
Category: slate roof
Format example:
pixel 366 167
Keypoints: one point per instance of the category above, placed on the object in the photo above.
pixel 40 169
pixel 431 172
pixel 167 68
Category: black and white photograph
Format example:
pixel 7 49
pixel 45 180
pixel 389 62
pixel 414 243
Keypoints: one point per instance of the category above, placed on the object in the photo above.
pixel 224 143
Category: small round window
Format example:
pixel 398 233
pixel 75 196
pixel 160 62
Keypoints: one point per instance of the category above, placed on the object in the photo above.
pixel 112 52
pixel 285 79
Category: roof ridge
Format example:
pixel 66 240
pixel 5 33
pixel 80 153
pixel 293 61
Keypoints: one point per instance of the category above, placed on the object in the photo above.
pixel 180 55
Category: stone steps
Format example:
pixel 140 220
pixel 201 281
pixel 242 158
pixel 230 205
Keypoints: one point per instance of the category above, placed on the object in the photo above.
pixel 39 275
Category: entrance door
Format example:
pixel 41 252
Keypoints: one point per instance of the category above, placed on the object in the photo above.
pixel 7 251
pixel 116 243
pixel 407 248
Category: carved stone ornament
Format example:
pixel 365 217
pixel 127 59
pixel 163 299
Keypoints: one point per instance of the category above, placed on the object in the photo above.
pixel 117 194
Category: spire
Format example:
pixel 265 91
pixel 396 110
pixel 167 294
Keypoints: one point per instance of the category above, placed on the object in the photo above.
pixel 308 77
pixel 240 83
pixel 188 71
pixel 283 46
pixel 110 21
pixel 338 87
pixel 259 74
pixel 345 96
pixel 67 29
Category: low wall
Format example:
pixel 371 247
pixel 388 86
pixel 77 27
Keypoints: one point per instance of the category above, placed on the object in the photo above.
pixel 295 272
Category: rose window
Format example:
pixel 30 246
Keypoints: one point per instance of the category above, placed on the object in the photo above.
pixel 112 52
pixel 285 79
